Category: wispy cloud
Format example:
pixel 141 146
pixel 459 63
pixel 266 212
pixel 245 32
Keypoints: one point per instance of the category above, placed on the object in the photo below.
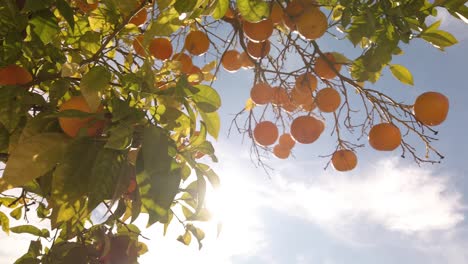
pixel 404 199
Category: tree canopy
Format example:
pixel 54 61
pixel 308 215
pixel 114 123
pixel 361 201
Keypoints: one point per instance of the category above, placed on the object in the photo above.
pixel 109 104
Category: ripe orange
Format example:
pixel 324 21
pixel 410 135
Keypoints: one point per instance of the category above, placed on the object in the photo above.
pixel 299 98
pixel 161 48
pixel 14 75
pixel 289 107
pixel 281 151
pixel 261 93
pixel 138 46
pixel 287 141
pixel 344 160
pixel 139 18
pixel 312 23
pixel 231 61
pixel 280 96
pixel 384 137
pixel 306 129
pixel 247 63
pixel 258 32
pixel 265 133
pixel 288 23
pixel 258 50
pixel 85 7
pixel 276 14
pixel 72 125
pixel 197 43
pixel 294 9
pixel 327 100
pixel 323 69
pixel 185 61
pixel 306 83
pixel 431 108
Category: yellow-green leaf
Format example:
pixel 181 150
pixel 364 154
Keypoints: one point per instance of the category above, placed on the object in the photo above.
pixel 402 74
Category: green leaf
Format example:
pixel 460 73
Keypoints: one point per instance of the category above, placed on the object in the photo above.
pixel 45 26
pixel 253 10
pixel 157 179
pixel 439 38
pixel 34 5
pixel 212 123
pixel 16 214
pixel 93 84
pixel 34 157
pixel 71 177
pixel 4 138
pixel 402 74
pixel 212 177
pixel 66 11
pixel 184 6
pixel 38 124
pixel 186 238
pixel 221 8
pixel 167 23
pixel 120 136
pixel 104 176
pixel 30 229
pixel 5 222
pixel 206 98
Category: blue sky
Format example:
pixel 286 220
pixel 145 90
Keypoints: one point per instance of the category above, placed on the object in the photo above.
pixel 388 210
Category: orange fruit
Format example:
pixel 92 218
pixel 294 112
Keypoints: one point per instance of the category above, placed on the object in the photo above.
pixel 276 14
pixel 231 61
pixel 299 98
pixel 287 141
pixel 289 107
pixel 258 50
pixel 138 46
pixel 344 160
pixel 288 23
pixel 306 83
pixel 258 32
pixel 323 69
pixel 312 23
pixel 327 100
pixel 246 62
pixel 265 133
pixel 261 93
pixel 197 43
pixel 281 151
pixel 306 129
pixel 294 9
pixel 72 125
pixel 85 7
pixel 431 108
pixel 384 137
pixel 14 75
pixel 280 96
pixel 309 106
pixel 139 18
pixel 185 61
pixel 161 48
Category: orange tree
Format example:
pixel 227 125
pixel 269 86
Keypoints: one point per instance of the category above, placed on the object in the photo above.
pixel 108 103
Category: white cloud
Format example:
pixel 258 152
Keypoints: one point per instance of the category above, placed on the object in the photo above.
pixel 404 199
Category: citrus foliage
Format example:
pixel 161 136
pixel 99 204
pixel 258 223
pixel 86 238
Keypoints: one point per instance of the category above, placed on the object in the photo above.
pixel 108 104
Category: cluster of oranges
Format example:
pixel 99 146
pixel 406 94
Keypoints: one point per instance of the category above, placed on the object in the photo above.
pixel 303 16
